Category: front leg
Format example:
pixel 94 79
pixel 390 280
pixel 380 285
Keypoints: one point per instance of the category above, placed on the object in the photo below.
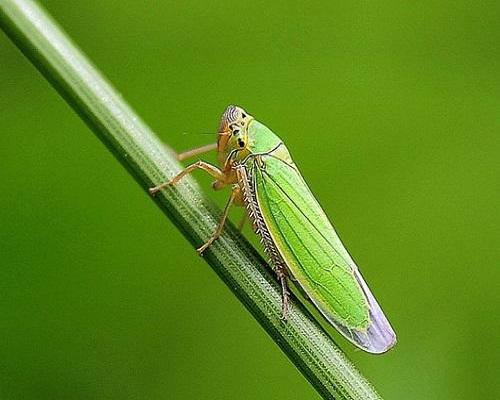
pixel 212 170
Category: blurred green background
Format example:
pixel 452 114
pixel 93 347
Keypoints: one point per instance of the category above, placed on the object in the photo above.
pixel 390 109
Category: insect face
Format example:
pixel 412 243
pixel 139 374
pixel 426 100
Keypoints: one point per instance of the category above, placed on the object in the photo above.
pixel 233 130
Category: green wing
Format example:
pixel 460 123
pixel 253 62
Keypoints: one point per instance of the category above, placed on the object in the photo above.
pixel 314 254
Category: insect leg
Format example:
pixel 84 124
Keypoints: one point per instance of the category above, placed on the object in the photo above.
pixel 281 274
pixel 197 151
pixel 223 218
pixel 213 171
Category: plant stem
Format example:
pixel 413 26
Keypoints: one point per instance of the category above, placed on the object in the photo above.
pixel 149 163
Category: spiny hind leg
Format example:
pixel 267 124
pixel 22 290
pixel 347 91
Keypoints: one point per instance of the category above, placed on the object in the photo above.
pixel 213 171
pixel 234 193
pixel 282 277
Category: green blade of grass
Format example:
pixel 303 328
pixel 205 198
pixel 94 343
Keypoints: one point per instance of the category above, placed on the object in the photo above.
pixel 149 162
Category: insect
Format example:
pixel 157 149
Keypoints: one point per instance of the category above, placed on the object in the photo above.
pixel 295 232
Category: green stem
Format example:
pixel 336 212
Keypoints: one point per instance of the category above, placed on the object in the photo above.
pixel 147 160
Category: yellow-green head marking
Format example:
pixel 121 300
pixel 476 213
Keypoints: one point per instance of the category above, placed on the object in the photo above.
pixel 233 133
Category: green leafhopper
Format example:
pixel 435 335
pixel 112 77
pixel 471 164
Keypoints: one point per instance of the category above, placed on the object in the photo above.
pixel 296 234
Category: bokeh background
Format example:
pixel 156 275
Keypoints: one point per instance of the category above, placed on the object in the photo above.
pixel 391 110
